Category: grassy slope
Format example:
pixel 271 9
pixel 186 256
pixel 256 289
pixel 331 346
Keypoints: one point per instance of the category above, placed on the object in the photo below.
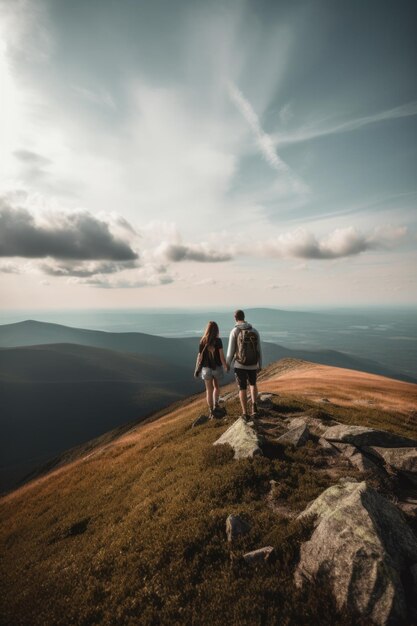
pixel 134 532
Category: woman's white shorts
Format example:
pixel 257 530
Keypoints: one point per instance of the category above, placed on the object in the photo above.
pixel 208 374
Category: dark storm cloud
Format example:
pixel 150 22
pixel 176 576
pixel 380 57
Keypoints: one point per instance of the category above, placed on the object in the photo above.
pixel 75 236
pixel 179 252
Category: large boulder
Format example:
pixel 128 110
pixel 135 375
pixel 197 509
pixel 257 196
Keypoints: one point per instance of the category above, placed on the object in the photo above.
pixel 364 549
pixel 403 460
pixel 363 436
pixel 243 438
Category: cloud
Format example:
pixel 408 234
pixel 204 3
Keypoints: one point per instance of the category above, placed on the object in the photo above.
pixel 313 131
pixel 32 158
pixel 148 276
pixel 85 269
pixel 77 236
pixel 100 97
pixel 286 113
pixel 263 140
pixel 342 242
pixel 192 252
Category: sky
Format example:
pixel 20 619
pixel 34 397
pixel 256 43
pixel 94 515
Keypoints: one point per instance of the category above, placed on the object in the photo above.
pixel 207 153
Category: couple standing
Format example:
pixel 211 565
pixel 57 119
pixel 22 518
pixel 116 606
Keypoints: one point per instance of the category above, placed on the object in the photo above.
pixel 244 349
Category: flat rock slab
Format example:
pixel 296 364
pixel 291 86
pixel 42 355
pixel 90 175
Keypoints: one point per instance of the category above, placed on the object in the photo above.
pixel 363 436
pixel 364 547
pixel 295 437
pixel 262 555
pixel 243 438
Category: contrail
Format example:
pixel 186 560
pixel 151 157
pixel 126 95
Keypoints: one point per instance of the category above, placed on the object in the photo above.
pixel 264 141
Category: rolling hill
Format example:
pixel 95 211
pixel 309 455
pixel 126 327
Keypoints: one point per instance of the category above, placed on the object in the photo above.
pixel 32 332
pixel 57 396
pixel 133 530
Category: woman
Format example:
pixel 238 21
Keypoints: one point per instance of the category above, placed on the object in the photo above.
pixel 210 362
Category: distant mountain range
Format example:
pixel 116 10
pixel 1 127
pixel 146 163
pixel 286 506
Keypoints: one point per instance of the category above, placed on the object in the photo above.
pixel 61 386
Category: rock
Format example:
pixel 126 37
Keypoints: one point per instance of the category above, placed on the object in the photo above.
pixel 295 437
pixel 265 399
pixel 403 460
pixel 296 422
pixel 243 438
pixel 314 424
pixel 327 445
pixel 201 419
pixel 228 396
pixel 236 526
pixel 356 457
pixel 262 555
pixel 364 548
pixel 347 479
pixel 363 436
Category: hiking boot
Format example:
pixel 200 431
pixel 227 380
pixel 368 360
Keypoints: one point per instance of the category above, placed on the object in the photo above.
pixel 245 417
pixel 254 410
pixel 219 411
pixel 211 414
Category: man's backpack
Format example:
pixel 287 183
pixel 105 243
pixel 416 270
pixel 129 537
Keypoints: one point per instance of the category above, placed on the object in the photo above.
pixel 247 349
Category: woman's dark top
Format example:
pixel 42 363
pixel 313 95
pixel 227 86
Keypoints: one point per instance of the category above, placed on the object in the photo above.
pixel 210 358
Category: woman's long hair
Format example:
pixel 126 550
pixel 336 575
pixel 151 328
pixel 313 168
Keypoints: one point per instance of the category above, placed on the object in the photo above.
pixel 210 334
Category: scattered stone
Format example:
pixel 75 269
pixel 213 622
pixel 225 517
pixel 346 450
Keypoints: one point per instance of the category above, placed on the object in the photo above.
pixel 363 436
pixel 327 445
pixel 296 422
pixel 325 400
pixel 295 437
pixel 356 457
pixel 363 546
pixel 266 399
pixel 228 396
pixel 243 438
pixel 314 424
pixel 262 555
pixel 201 419
pixel 236 526
pixel 403 460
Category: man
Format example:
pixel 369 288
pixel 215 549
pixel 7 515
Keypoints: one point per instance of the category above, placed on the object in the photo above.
pixel 245 349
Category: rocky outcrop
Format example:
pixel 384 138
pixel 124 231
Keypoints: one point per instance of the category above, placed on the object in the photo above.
pixel 365 550
pixel 403 460
pixel 243 438
pixel 295 437
pixel 235 527
pixel 356 458
pixel 363 436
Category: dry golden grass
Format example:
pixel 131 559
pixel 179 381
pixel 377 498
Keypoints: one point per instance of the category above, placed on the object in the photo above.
pixel 134 532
